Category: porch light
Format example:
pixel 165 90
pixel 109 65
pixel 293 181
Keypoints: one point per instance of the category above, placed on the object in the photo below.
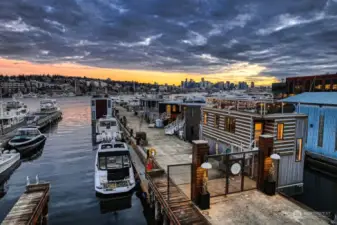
pixel 275 156
pixel 206 165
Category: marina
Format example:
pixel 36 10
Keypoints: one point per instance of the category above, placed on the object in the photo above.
pixel 167 194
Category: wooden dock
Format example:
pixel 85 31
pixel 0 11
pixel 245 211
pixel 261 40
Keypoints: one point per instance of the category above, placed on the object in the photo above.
pixel 178 209
pixel 31 208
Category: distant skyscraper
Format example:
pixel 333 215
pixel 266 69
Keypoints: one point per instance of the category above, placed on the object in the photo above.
pixel 252 85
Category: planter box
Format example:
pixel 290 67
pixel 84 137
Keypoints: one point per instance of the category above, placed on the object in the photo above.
pixel 204 201
pixel 270 187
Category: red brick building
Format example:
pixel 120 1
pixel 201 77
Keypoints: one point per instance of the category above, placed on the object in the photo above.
pixel 316 83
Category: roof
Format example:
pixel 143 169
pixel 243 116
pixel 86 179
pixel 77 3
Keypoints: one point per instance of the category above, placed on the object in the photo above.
pixel 315 98
pixel 112 147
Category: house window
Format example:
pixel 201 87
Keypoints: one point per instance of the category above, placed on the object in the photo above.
pixel 168 109
pixel 230 124
pixel 257 132
pixel 299 148
pixel 327 85
pixel 109 103
pixel 205 118
pixel 280 131
pixel 318 85
pixel 93 103
pixel 320 131
pixel 174 108
pixel 217 121
pixel 334 84
pixel 336 139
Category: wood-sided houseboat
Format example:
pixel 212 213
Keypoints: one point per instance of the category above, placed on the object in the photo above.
pixel 232 126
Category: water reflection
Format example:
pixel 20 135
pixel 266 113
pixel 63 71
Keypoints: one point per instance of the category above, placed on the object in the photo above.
pixel 3 189
pixel 108 205
pixel 34 155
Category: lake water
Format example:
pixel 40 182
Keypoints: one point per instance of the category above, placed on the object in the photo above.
pixel 67 162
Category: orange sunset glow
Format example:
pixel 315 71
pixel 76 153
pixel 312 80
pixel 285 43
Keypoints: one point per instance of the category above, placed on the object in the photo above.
pixel 234 73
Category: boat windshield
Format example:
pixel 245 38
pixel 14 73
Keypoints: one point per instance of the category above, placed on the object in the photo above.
pixel 27 132
pixel 107 124
pixel 114 162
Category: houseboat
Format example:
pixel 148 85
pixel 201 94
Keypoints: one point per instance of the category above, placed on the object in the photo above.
pixel 114 172
pixel 235 126
pixel 101 107
pixel 182 117
pixel 321 144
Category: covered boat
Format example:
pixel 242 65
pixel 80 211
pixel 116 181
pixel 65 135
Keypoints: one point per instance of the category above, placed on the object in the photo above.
pixel 114 172
pixel 27 139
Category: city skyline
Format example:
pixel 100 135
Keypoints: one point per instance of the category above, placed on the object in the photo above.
pixel 158 41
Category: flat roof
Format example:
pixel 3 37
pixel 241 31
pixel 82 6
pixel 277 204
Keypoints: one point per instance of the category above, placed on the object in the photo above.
pixel 314 98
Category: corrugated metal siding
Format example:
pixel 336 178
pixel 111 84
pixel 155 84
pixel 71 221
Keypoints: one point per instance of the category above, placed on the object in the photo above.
pixel 242 133
pixel 290 171
pixel 330 129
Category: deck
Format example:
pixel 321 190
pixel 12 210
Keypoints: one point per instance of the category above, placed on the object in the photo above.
pixel 30 207
pixel 180 208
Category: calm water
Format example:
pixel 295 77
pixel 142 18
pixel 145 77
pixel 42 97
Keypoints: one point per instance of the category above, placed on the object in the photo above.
pixel 67 162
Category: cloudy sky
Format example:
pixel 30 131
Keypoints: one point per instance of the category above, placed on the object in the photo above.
pixel 168 40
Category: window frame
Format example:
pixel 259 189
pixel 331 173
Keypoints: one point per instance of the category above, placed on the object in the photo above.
pixel 230 124
pixel 320 132
pixel 298 152
pixel 205 118
pixel 217 121
pixel 280 137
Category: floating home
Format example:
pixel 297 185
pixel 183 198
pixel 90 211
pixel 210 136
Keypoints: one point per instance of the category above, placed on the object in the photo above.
pixel 101 106
pixel 232 126
pixel 321 144
pixel 150 107
pixel 188 110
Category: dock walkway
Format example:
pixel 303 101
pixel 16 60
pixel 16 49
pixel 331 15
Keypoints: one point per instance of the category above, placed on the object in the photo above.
pixel 170 149
pixel 31 208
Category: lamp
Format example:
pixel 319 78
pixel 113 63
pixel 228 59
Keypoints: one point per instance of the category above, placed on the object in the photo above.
pixel 275 156
pixel 206 165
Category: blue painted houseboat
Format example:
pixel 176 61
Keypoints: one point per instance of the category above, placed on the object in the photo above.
pixel 321 144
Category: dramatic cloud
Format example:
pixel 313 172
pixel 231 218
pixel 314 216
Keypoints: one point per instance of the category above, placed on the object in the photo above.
pixel 254 40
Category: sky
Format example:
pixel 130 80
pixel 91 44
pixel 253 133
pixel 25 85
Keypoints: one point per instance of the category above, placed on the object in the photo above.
pixel 169 40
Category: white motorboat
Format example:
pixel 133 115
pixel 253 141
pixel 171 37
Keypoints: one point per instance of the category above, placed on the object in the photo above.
pixel 48 106
pixel 12 114
pixel 18 95
pixel 107 129
pixel 114 172
pixel 9 161
pixel 27 140
pixel 30 95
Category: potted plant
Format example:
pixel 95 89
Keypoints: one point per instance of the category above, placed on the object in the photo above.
pixel 270 183
pixel 204 199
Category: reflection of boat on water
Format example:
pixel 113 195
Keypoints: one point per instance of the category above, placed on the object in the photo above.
pixel 26 140
pixel 108 205
pixel 34 155
pixel 3 189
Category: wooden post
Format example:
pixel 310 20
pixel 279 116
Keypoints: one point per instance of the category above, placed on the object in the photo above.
pixel 199 150
pixel 266 143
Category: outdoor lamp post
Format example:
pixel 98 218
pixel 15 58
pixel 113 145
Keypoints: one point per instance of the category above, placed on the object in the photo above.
pixel 204 201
